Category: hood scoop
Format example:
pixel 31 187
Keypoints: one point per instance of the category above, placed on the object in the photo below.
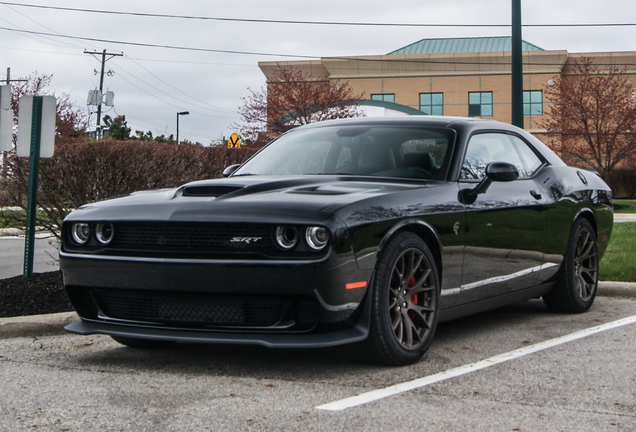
pixel 210 191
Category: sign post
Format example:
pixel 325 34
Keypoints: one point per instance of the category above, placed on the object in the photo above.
pixel 36 129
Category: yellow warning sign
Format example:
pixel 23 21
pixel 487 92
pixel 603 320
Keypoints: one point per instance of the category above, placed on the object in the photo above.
pixel 234 141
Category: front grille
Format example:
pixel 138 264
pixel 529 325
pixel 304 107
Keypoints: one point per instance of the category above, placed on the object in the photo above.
pixel 195 310
pixel 193 237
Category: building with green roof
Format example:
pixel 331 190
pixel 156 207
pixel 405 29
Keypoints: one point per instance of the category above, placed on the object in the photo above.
pixel 454 76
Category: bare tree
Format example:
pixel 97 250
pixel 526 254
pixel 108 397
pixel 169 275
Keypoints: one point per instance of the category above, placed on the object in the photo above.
pixel 592 119
pixel 293 98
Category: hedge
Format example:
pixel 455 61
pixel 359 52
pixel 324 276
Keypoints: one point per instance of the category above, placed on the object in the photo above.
pixel 88 172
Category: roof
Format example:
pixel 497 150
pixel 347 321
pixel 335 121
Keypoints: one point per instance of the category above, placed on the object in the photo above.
pixel 463 45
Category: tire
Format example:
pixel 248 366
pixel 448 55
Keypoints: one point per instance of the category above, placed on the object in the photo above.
pixel 578 277
pixel 405 302
pixel 142 343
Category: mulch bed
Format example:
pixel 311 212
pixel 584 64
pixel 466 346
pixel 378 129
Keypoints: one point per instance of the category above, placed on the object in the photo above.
pixel 42 294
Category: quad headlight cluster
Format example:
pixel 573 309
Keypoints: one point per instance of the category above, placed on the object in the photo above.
pixel 81 233
pixel 287 237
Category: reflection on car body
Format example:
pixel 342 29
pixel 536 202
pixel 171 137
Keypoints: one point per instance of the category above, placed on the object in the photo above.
pixel 366 231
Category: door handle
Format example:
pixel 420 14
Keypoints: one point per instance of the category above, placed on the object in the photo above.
pixel 535 194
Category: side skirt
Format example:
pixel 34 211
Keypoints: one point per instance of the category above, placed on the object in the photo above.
pixel 494 303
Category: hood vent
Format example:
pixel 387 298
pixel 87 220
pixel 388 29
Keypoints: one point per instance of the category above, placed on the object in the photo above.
pixel 210 191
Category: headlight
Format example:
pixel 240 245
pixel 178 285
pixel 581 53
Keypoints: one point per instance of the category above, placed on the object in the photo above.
pixel 316 237
pixel 80 232
pixel 104 233
pixel 286 237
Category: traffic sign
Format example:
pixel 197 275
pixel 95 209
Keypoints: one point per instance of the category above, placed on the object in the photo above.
pixel 234 141
pixel 6 119
pixel 27 125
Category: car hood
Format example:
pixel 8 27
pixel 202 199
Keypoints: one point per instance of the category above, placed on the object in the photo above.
pixel 245 199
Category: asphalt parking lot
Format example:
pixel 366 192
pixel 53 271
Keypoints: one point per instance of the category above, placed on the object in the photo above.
pixel 67 382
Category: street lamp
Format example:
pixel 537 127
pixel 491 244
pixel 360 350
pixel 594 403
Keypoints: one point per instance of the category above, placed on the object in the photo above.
pixel 180 114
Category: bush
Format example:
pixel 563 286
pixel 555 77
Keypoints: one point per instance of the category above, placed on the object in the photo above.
pixel 623 182
pixel 4 193
pixel 87 172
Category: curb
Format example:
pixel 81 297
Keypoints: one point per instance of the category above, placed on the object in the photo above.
pixel 35 325
pixel 53 324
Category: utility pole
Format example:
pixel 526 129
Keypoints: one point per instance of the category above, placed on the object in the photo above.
pixel 101 82
pixel 5 168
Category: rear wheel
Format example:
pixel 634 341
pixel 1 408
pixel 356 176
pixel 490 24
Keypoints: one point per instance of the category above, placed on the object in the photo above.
pixel 142 343
pixel 578 278
pixel 405 302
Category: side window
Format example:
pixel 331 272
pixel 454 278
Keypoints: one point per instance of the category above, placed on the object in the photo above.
pixel 486 148
pixel 530 158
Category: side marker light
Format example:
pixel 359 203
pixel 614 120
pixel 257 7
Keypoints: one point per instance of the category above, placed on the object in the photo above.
pixel 354 285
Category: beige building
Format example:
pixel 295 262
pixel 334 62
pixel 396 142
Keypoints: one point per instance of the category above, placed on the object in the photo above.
pixel 455 77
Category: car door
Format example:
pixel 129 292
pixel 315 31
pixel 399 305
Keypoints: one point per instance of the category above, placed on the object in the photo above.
pixel 506 226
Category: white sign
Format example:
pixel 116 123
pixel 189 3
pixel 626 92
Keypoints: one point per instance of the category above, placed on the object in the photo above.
pixel 6 118
pixel 47 127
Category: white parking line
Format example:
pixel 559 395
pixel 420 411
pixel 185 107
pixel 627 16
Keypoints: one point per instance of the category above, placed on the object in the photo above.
pixel 375 395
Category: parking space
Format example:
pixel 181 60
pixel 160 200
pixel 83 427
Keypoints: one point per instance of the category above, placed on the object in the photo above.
pixel 89 383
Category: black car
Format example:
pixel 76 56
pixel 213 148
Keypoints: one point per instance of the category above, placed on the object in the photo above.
pixel 367 231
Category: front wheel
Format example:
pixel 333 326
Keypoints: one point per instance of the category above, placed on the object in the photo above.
pixel 405 302
pixel 578 277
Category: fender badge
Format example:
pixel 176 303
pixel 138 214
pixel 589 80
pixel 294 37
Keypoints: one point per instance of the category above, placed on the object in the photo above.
pixel 456 228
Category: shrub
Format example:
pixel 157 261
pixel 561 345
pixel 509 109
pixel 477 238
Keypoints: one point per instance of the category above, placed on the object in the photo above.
pixel 623 182
pixel 87 172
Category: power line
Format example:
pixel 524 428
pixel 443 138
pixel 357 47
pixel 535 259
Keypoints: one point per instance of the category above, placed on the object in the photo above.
pixel 301 22
pixel 148 45
pixel 182 48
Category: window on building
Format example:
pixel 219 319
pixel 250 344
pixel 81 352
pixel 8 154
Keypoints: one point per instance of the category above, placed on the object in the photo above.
pixel 532 102
pixel 480 104
pixel 432 103
pixel 384 97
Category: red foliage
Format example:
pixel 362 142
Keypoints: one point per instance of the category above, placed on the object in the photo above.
pixel 294 98
pixel 592 121
pixel 70 122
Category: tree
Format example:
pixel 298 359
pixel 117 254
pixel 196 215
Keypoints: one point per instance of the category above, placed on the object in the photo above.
pixel 117 128
pixel 592 120
pixel 71 122
pixel 293 98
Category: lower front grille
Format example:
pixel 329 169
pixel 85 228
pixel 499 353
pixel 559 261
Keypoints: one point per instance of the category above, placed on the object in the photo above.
pixel 195 310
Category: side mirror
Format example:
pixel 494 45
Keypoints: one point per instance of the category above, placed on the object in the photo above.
pixel 502 172
pixel 495 171
pixel 230 170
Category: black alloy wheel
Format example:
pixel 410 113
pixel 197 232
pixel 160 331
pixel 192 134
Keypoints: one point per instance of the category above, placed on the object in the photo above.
pixel 578 278
pixel 405 302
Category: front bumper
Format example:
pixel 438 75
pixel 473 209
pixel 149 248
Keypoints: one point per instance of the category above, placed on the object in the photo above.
pixel 175 283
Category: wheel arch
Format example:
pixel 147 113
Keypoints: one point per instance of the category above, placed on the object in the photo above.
pixel 588 214
pixel 423 230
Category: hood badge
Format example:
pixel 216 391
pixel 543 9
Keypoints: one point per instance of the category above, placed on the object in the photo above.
pixel 246 240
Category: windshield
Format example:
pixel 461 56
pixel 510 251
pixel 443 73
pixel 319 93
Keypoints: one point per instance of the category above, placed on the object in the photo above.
pixel 403 151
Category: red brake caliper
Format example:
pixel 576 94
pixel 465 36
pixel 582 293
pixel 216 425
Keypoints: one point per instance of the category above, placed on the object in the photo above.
pixel 413 296
pixel 410 284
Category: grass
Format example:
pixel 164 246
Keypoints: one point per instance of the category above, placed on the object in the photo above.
pixel 618 262
pixel 624 206
pixel 6 222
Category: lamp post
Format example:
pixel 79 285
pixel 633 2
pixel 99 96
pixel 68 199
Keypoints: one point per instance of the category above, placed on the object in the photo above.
pixel 180 114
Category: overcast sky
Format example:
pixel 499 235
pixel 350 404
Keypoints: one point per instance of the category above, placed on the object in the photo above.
pixel 152 84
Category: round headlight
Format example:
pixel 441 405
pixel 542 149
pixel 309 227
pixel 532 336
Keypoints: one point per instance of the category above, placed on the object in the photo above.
pixel 316 237
pixel 80 232
pixel 104 233
pixel 286 236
